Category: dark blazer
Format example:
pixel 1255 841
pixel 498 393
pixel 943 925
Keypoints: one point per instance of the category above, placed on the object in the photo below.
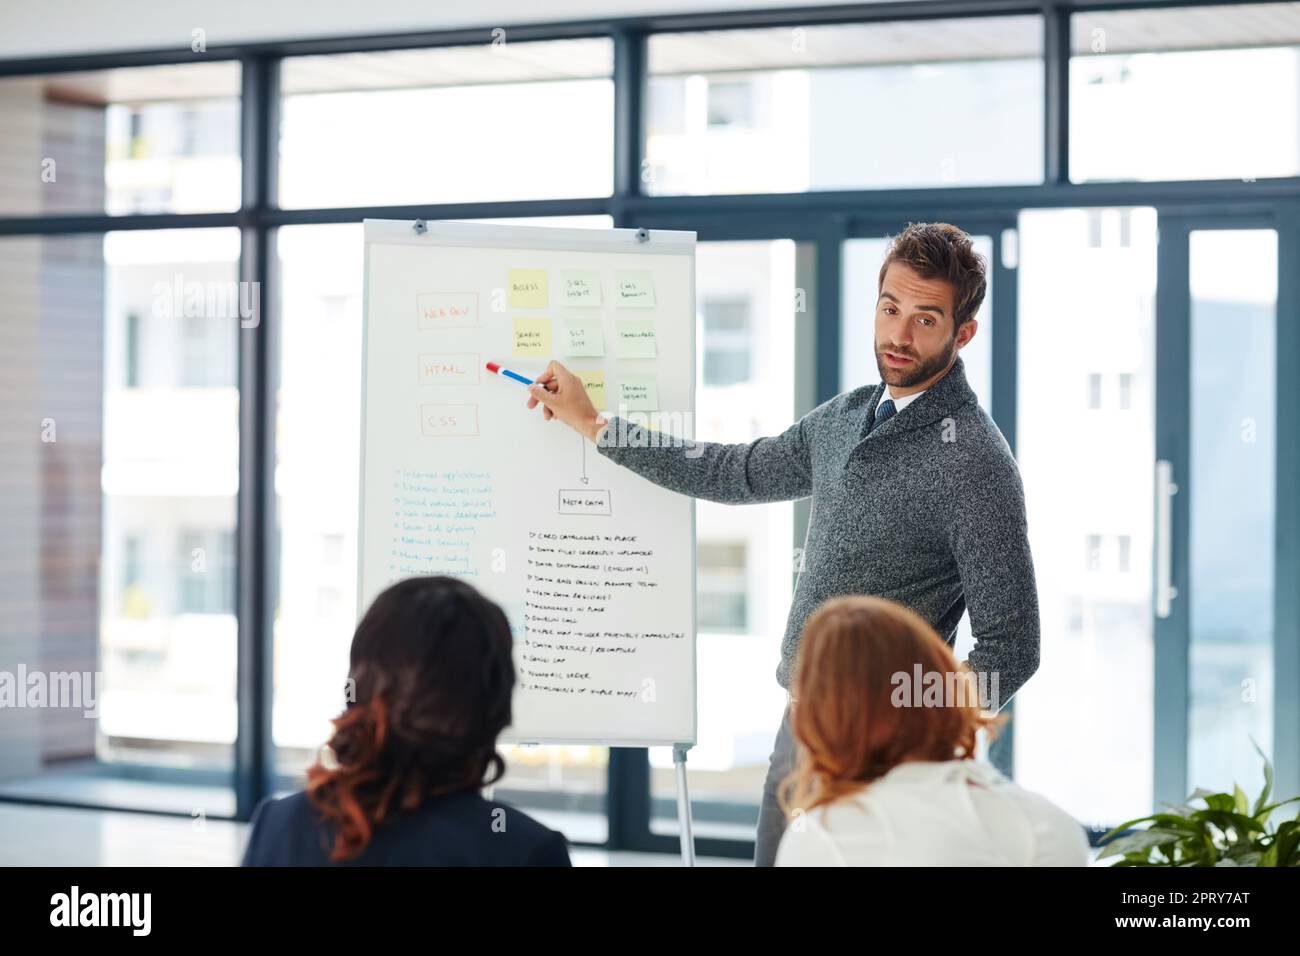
pixel 458 829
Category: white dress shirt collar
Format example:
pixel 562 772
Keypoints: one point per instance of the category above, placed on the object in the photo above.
pixel 901 403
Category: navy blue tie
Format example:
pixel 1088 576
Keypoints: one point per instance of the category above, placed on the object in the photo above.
pixel 884 412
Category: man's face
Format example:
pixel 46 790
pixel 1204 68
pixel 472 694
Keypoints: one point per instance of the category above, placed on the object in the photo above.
pixel 915 344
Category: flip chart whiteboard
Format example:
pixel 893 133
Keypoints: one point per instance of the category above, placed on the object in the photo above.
pixel 593 565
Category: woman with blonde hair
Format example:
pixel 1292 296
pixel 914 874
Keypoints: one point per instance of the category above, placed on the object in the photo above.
pixel 886 722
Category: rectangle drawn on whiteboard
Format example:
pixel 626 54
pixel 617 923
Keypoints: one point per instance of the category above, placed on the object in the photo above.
pixel 444 421
pixel 447 310
pixel 449 368
pixel 582 501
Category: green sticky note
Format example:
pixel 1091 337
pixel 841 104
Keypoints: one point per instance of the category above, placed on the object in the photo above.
pixel 638 393
pixel 527 288
pixel 634 290
pixel 634 338
pixel 582 337
pixel 579 288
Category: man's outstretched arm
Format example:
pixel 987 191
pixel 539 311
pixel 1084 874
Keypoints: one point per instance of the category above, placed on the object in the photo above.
pixel 775 468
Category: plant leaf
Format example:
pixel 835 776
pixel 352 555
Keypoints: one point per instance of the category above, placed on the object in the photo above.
pixel 1220 801
pixel 1281 803
pixel 1240 823
pixel 1287 843
pixel 1139 840
pixel 1187 823
pixel 1240 799
pixel 1268 780
pixel 1124 826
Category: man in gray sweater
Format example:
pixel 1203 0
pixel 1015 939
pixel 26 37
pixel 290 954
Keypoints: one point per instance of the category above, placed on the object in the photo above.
pixel 916 496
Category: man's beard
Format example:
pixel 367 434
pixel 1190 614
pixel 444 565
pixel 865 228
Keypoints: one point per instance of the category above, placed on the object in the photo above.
pixel 919 371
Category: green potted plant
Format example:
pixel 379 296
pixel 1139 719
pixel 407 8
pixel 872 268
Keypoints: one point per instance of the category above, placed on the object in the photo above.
pixel 1225 831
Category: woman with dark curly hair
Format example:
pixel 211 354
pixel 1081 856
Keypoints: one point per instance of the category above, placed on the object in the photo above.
pixel 433 677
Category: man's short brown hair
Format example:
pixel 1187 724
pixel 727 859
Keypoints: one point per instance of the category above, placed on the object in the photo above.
pixel 939 250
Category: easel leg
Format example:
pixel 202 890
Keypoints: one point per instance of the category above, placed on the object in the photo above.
pixel 684 805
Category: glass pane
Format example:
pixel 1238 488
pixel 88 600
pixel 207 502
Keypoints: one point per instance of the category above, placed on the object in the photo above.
pixel 317 469
pixel 120 513
pixel 1232 484
pixel 1223 81
pixel 845 106
pixel 317 466
pixel 135 140
pixel 1086 447
pixel 500 121
pixel 746 303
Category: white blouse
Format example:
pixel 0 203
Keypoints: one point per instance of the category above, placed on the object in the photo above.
pixel 936 813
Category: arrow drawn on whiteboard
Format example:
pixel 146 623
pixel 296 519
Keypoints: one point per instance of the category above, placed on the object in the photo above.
pixel 583 442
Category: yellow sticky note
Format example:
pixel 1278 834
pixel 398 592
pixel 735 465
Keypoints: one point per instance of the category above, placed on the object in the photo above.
pixel 532 338
pixel 527 288
pixel 594 383
pixel 583 337
pixel 634 338
pixel 638 393
pixel 579 288
pixel 634 290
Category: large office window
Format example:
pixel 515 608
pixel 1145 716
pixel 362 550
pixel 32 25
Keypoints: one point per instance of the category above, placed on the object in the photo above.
pixel 746 305
pixel 1233 279
pixel 1087 469
pixel 495 122
pixel 171 453
pixel 124 502
pixel 1195 93
pixel 51 443
pixel 318 434
pixel 152 139
pixel 845 106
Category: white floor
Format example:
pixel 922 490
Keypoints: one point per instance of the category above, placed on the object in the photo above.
pixel 56 836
